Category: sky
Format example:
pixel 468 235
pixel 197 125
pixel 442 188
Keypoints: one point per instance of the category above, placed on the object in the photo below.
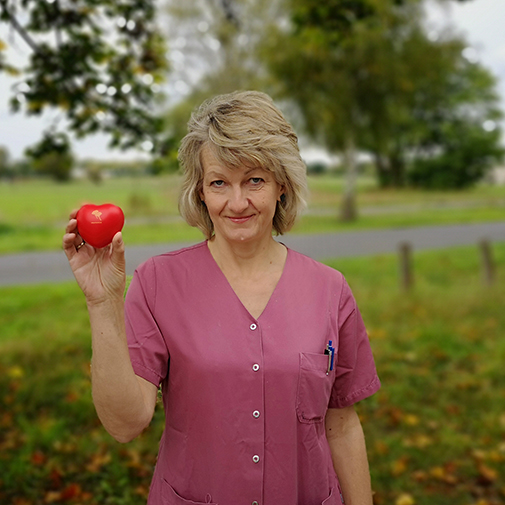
pixel 480 21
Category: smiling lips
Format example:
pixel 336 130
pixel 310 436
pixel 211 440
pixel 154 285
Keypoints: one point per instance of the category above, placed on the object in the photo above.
pixel 240 220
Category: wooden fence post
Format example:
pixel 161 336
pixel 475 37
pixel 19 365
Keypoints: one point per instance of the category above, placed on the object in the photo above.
pixel 488 267
pixel 406 274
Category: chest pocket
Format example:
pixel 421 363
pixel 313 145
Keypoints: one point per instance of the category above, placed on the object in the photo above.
pixel 314 387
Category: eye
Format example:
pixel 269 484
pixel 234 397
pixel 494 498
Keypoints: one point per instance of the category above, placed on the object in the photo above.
pixel 256 180
pixel 217 184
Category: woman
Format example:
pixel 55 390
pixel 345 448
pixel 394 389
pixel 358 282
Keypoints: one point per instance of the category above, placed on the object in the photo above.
pixel 260 351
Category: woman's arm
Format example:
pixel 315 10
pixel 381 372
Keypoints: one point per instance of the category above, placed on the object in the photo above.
pixel 124 402
pixel 348 451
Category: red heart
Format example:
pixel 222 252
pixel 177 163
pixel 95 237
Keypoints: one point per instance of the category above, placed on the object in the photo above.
pixel 97 224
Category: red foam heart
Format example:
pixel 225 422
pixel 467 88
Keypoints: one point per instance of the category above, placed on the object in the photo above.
pixel 97 224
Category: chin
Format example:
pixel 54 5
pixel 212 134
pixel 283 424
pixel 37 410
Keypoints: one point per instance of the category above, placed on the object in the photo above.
pixel 244 237
pixel 241 236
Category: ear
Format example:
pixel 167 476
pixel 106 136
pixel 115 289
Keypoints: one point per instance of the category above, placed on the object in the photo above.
pixel 281 196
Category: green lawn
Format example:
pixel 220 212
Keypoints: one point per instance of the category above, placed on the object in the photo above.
pixel 33 213
pixel 435 431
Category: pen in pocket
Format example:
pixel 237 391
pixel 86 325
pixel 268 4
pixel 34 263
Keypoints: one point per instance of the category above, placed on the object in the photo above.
pixel 330 351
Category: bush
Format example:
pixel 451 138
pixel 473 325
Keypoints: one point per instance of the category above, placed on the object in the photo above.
pixel 165 165
pixel 467 154
pixel 52 156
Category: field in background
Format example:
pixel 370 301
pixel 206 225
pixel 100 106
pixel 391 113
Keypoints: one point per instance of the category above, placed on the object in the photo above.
pixel 33 213
pixel 435 431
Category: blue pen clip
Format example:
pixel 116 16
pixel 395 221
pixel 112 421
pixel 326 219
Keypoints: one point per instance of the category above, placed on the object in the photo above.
pixel 330 351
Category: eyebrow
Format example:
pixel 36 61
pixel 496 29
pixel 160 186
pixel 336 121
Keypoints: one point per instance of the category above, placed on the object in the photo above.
pixel 214 173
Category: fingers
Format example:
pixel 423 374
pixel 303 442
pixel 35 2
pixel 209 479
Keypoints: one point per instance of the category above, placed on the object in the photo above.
pixel 71 229
pixel 118 246
pixel 117 241
pixel 71 226
pixel 69 245
pixel 72 241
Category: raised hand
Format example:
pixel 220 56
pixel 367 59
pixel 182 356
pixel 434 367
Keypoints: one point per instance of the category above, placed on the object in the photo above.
pixel 100 273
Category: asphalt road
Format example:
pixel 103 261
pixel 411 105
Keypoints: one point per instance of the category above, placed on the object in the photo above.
pixel 39 267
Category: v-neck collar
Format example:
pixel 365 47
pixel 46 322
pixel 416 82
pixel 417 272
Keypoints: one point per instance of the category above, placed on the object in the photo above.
pixel 223 277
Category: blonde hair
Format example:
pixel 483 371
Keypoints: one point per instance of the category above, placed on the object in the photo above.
pixel 242 129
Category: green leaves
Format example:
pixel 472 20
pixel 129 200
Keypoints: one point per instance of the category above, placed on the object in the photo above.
pixel 99 62
pixel 52 156
pixel 366 70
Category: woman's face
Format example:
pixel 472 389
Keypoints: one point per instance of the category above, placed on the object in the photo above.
pixel 241 202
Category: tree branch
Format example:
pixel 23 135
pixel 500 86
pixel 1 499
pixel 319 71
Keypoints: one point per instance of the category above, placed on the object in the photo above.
pixel 19 28
pixel 58 28
pixel 228 12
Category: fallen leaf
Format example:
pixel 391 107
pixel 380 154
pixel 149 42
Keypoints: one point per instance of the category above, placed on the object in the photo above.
pixel 405 499
pixel 52 496
pixel 71 397
pixel 395 416
pixel 381 447
pixel 479 454
pixel 486 475
pixel 22 501
pixel 6 419
pixel 97 462
pixel 38 458
pixel 496 456
pixel 56 479
pixel 411 420
pixel 438 472
pixel 453 410
pixel 420 476
pixel 420 440
pixel 142 490
pixel 399 466
pixel 15 372
pixel 71 492
pixel 377 334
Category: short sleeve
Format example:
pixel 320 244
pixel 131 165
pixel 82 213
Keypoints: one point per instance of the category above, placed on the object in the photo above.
pixel 356 376
pixel 148 350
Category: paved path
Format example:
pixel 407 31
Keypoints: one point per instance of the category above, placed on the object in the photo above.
pixel 32 268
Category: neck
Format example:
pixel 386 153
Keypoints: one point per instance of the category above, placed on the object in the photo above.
pixel 246 258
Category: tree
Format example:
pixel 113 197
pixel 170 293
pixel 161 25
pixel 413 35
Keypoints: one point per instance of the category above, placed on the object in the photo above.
pixel 461 157
pixel 100 62
pixel 214 51
pixel 5 166
pixel 365 76
pixel 52 156
pixel 429 90
pixel 320 69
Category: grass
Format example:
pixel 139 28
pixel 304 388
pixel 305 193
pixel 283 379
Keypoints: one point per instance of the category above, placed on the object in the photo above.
pixel 435 431
pixel 33 213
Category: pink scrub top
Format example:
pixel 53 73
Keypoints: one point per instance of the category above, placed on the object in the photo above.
pixel 245 399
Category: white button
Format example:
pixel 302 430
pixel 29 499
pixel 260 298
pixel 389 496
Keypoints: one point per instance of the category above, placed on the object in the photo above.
pixel 256 414
pixel 253 326
pixel 256 458
pixel 256 367
pixel 255 503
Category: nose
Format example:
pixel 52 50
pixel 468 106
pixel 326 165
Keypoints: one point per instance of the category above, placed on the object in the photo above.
pixel 238 201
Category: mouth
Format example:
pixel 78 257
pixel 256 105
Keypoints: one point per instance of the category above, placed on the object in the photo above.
pixel 239 220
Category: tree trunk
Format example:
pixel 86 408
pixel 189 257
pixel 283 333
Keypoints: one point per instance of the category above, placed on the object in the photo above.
pixel 383 170
pixel 349 210
pixel 397 165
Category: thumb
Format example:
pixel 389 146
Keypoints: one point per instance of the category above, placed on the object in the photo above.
pixel 118 247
